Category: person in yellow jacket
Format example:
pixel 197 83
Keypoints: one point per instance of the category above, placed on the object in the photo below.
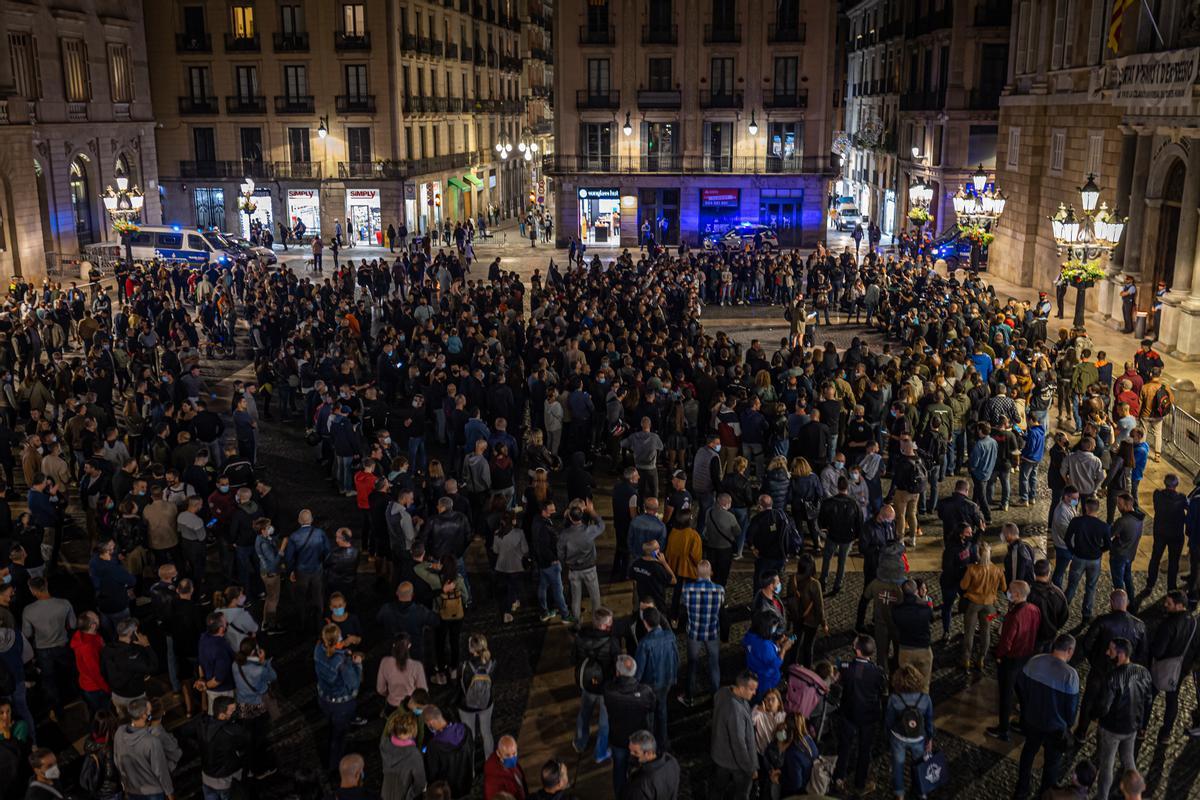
pixel 683 553
pixel 981 587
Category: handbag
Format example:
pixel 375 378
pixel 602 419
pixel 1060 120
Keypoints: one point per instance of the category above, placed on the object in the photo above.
pixel 821 776
pixel 933 772
pixel 1166 671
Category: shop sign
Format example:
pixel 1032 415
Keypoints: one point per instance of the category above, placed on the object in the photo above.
pixel 1154 80
pixel 364 194
pixel 302 194
pixel 599 194
pixel 720 198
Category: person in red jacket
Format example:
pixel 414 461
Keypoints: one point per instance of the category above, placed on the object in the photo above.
pixel 87 644
pixel 502 772
pixel 1017 643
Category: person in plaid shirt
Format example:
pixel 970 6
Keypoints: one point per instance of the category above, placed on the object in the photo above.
pixel 702 601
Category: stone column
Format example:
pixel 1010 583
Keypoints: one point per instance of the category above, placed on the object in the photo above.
pixel 1185 252
pixel 1187 339
pixel 1110 287
pixel 1132 262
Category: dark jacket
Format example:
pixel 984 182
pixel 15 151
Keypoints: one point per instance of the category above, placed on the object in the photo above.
pixel 341 567
pixel 447 533
pixel 629 705
pixel 449 756
pixel 862 692
pixel 408 617
pixel 1125 699
pixel 1051 601
pixel 1018 563
pixel 1049 693
pixel 1170 512
pixel 1088 537
pixel 223 746
pixel 955 510
pixel 913 620
pixel 595 656
pixel 770 533
pixel 657 780
pixel 1114 625
pixel 545 543
pixel 1175 636
pixel 126 666
pixel 841 518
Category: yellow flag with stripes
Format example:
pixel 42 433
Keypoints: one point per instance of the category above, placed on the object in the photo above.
pixel 1115 21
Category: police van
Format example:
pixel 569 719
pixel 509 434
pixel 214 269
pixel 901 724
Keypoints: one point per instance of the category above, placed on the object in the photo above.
pixel 174 243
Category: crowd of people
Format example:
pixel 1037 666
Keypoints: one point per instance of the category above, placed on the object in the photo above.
pixel 471 422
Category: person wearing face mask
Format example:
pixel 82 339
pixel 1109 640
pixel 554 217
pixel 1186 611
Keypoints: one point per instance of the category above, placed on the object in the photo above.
pixel 269 551
pixel 347 624
pixel 339 677
pixel 146 755
pixel 502 772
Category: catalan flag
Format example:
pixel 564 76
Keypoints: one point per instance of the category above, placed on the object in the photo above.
pixel 1114 23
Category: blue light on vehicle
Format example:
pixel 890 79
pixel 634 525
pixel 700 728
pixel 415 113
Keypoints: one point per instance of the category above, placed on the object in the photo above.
pixel 176 228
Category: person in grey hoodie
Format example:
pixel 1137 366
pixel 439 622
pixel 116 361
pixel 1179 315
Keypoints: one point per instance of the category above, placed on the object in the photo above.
pixel 577 550
pixel 477 480
pixel 645 446
pixel 145 753
pixel 1126 533
pixel 733 748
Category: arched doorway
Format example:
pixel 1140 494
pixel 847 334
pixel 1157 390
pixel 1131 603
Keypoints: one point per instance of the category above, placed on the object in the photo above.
pixel 81 203
pixel 1168 228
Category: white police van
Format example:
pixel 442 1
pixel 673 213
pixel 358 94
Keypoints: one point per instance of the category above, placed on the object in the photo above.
pixel 175 243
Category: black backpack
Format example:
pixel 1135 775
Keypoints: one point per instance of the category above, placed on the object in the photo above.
pixel 910 722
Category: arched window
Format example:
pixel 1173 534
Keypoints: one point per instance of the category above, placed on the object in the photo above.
pixel 81 202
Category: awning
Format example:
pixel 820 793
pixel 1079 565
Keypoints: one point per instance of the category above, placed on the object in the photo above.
pixel 457 184
pixel 471 179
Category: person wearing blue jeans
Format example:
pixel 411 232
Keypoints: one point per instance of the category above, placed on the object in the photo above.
pixel 703 601
pixel 1088 537
pixel 1126 532
pixel 550 580
pixel 596 651
pixel 1061 515
pixel 1081 568
pixel 583 724
pixel 339 676
pixel 908 719
pixel 630 704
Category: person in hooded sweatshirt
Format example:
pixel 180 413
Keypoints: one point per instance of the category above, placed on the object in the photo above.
pixel 46 783
pixel 145 753
pixel 449 752
pixel 403 766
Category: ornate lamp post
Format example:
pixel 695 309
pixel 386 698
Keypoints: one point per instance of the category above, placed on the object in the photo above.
pixel 247 203
pixel 1087 240
pixel 920 195
pixel 124 206
pixel 977 209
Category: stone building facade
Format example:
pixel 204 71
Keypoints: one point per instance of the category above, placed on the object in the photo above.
pixel 75 112
pixel 691 118
pixel 1072 108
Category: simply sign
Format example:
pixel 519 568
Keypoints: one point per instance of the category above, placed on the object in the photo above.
pixel 1154 80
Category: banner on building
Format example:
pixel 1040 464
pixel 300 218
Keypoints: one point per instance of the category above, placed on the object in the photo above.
pixel 1154 80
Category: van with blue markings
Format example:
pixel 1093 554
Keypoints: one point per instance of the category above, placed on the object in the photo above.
pixel 177 244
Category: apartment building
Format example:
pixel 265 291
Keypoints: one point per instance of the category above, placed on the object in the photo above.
pixel 922 101
pixel 690 118
pixel 75 113
pixel 372 113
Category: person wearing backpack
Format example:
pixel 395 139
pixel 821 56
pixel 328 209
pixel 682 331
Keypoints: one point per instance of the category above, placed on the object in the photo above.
pixel 909 480
pixel 475 682
pixel 98 775
pixel 450 606
pixel 595 656
pixel 908 719
pixel 1157 401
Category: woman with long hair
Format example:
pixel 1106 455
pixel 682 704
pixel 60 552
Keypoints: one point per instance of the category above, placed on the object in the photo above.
pixel 98 758
pixel 475 703
pixel 339 676
pixel 252 679
pixel 806 608
pixel 981 585
pixel 908 718
pixel 403 765
pixel 399 674
pixel 804 493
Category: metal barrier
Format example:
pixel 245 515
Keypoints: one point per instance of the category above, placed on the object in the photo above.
pixel 1181 437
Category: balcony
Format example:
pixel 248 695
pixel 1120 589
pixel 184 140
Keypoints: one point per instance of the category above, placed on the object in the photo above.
pixel 425 45
pixel 452 50
pixel 480 56
pixel 652 98
pixel 467 54
pixel 296 42
pixel 193 43
pixel 454 105
pixel 791 33
pixel 225 169
pixel 415 105
pixel 510 64
pixel 245 104
pixel 788 99
pixel 296 169
pixel 743 165
pixel 538 54
pixel 294 104
pixel 351 42
pixel 720 99
pixel 722 34
pixel 237 43
pixel 437 48
pixel 371 169
pixel 355 103
pixel 591 35
pixel 586 99
pixel 660 34
pixel 493 58
pixel 77 112
pixel 198 105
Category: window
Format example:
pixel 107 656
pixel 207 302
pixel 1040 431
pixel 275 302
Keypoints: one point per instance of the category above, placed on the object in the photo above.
pixel 291 20
pixel 204 144
pixel 1069 37
pixel 295 81
pixel 597 17
pixel 119 76
pixel 354 19
pixel 1098 35
pixel 245 82
pixel 660 75
pixel 199 83
pixel 356 80
pixel 81 202
pixel 1014 148
pixel 298 139
pixel 718 146
pixel 243 22
pixel 251 139
pixel 721 77
pixel 210 206
pixel 784 143
pixel 1058 146
pixel 787 14
pixel 598 77
pixel 196 242
pixel 1095 154
pixel 358 145
pixel 170 241
pixel 724 12
pixel 785 76
pixel 77 81
pixel 597 139
pixel 22 48
pixel 409 152
pixel 660 15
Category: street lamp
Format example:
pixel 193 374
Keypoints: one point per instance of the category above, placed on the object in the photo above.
pixel 247 204
pixel 627 128
pixel 753 126
pixel 977 208
pixel 323 131
pixel 1086 240
pixel 920 195
pixel 124 206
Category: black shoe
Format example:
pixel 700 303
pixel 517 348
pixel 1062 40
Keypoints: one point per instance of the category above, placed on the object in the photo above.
pixel 358 722
pixel 997 733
